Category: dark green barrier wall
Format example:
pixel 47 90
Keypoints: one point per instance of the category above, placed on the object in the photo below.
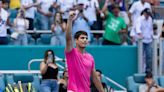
pixel 117 62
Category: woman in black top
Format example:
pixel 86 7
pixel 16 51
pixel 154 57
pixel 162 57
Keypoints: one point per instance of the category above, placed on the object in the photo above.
pixel 63 82
pixel 49 72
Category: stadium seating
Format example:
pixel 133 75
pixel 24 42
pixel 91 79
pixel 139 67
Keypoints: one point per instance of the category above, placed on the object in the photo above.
pixel 24 78
pixel 44 39
pixel 2 82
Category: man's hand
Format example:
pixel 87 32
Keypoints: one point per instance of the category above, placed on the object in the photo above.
pixel 72 15
pixel 107 1
pixel 140 36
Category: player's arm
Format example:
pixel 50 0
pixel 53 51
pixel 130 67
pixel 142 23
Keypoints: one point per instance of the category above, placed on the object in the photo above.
pixel 69 42
pixel 96 81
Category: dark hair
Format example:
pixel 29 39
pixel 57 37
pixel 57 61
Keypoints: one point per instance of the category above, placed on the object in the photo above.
pixel 149 75
pixel 65 70
pixel 115 5
pixel 46 55
pixel 77 34
pixel 99 71
pixel 60 17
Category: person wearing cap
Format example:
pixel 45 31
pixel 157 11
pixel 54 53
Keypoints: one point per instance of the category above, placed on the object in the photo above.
pixel 81 21
pixel 136 9
pixel 115 25
pixel 144 32
pixel 134 12
pixel 151 85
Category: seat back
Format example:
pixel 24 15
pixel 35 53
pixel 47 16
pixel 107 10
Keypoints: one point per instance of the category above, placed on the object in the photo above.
pixel 2 83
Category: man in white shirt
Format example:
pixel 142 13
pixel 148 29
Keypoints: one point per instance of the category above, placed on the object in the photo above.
pixel 46 14
pixel 29 6
pixel 135 12
pixel 65 6
pixel 4 21
pixel 144 31
pixel 92 8
pixel 136 9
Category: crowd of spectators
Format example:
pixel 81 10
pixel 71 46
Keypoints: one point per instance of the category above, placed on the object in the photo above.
pixel 117 17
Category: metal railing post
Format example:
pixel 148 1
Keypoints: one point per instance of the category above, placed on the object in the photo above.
pixel 155 59
pixel 140 56
pixel 160 56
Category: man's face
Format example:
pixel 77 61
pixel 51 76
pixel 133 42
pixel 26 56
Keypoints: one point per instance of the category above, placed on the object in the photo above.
pixel 80 7
pixel 146 15
pixel 149 81
pixel 82 41
pixel 116 12
pixel 99 75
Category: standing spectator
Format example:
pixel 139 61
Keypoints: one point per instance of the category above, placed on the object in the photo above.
pixel 29 7
pixel 81 22
pixel 58 31
pixel 93 88
pixel 115 25
pixel 144 31
pixel 63 82
pixel 14 6
pixel 91 10
pixel 4 21
pixel 136 9
pixel 45 13
pixel 80 63
pixel 20 26
pixel 49 71
pixel 65 6
pixel 135 12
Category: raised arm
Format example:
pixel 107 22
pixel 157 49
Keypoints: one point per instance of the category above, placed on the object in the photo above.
pixel 96 81
pixel 69 42
pixel 105 7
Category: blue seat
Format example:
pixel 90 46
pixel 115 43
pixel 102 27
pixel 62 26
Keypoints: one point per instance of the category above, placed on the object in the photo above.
pixel 44 39
pixel 24 78
pixel 2 83
pixel 161 81
pixel 31 40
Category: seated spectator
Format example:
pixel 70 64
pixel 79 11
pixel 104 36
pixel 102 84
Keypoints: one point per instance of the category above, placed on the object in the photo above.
pixel 63 82
pixel 115 25
pixel 93 88
pixel 58 31
pixel 49 72
pixel 20 27
pixel 150 85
